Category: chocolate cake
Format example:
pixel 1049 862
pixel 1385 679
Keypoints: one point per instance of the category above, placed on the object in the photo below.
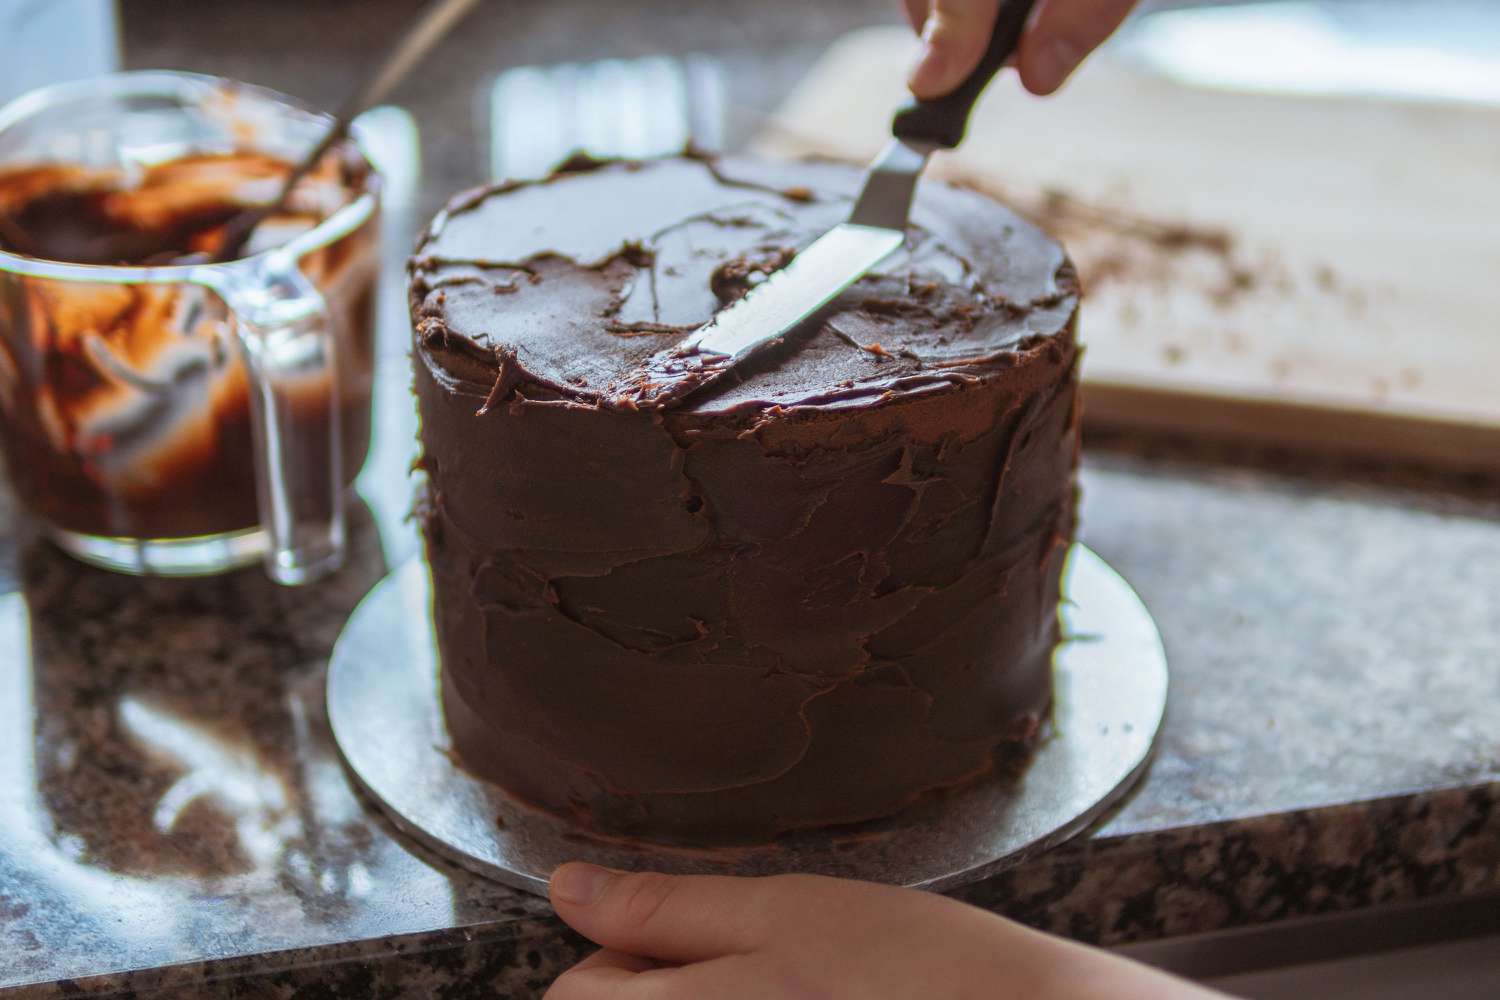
pixel 812 594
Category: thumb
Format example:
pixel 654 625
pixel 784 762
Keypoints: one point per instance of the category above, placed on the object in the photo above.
pixel 954 38
pixel 673 918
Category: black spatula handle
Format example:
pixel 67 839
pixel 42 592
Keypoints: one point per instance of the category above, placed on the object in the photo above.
pixel 943 120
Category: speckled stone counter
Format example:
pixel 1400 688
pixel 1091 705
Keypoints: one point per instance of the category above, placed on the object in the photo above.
pixel 175 822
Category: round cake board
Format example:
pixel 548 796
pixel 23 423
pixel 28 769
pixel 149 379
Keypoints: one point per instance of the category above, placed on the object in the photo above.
pixel 1111 692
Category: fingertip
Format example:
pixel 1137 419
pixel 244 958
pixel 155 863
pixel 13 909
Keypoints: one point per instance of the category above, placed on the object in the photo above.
pixel 916 13
pixel 1046 65
pixel 954 37
pixel 608 958
pixel 929 74
pixel 578 883
pixel 579 983
pixel 599 976
pixel 1061 36
pixel 671 918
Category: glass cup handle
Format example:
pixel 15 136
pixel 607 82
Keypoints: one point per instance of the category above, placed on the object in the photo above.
pixel 286 338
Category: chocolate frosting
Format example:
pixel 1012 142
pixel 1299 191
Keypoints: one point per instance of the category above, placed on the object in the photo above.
pixel 812 593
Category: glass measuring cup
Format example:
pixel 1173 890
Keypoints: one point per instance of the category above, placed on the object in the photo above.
pixel 171 416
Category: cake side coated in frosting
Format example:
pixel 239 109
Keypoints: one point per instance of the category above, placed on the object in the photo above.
pixel 809 595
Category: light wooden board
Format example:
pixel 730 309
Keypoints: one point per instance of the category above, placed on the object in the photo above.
pixel 1306 271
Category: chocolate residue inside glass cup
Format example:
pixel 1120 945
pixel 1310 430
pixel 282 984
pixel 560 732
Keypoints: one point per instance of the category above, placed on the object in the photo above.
pixel 170 212
pixel 124 408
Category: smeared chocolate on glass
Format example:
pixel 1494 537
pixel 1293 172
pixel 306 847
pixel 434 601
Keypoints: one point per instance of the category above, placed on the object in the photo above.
pixel 124 408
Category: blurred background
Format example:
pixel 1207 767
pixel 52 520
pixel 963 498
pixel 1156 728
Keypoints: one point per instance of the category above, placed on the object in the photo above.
pixel 755 53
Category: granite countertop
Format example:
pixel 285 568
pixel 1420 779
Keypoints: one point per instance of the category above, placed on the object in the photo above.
pixel 174 819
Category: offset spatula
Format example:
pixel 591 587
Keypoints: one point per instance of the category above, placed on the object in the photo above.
pixel 840 257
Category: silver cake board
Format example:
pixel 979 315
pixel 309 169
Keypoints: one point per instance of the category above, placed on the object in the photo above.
pixel 1111 693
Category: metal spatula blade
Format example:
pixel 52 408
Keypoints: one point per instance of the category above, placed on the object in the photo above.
pixel 813 279
pixel 840 257
pixel 830 264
